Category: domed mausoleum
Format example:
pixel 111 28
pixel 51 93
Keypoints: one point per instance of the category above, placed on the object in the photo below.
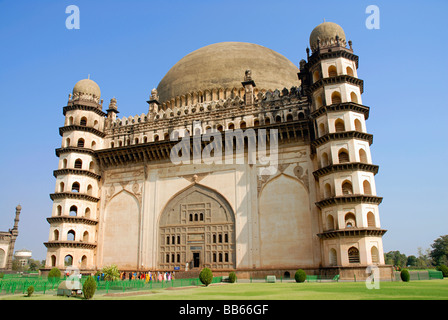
pixel 242 161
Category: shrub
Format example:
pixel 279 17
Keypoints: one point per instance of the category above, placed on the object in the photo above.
pixel 405 276
pixel 111 273
pixel 444 270
pixel 300 276
pixel 206 276
pixel 89 287
pixel 232 277
pixel 30 291
pixel 54 274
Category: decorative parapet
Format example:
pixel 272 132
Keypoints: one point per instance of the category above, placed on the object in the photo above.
pixel 70 219
pixel 353 198
pixel 70 244
pixel 352 232
pixel 351 166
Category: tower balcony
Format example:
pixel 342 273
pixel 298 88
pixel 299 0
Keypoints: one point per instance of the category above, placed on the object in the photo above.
pixel 73 195
pixel 352 232
pixel 72 219
pixel 342 167
pixel 349 199
pixel 70 244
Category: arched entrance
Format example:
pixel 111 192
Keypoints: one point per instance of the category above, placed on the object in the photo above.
pixel 196 230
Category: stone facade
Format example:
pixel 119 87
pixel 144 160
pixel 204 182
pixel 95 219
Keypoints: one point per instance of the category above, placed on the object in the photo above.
pixel 120 199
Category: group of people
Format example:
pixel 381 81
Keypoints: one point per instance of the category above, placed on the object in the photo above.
pixel 148 276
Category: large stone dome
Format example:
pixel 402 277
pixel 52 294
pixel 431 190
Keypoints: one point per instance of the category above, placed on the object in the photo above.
pixel 223 65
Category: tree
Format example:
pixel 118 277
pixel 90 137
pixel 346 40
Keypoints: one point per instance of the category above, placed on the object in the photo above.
pixel 439 252
pixel 111 273
pixel 423 260
pixel 395 258
pixel 411 261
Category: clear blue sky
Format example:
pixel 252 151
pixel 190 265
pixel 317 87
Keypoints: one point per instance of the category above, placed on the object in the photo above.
pixel 128 46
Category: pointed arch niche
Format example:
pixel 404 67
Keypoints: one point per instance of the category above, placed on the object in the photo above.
pixel 285 223
pixel 121 231
pixel 197 227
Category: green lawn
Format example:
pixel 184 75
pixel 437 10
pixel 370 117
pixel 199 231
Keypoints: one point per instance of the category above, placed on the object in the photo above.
pixel 414 290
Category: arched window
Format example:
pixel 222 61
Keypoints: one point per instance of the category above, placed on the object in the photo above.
pixel 353 97
pixel 191 217
pixel 362 156
pixel 322 129
pixel 84 262
pixel 350 220
pixel 78 164
pixel 339 125
pixel 330 222
pixel 319 102
pixel 333 257
pixel 375 255
pixel 219 128
pixel 325 161
pixel 71 235
pixel 61 187
pixel 343 156
pixel 89 190
pixel 301 115
pixel 256 123
pixel 332 72
pixel 327 190
pixel 336 98
pixel 267 120
pixel 67 142
pixel 347 188
pixel 289 117
pixel 55 235
pixel 371 219
pixel 75 187
pixel 85 236
pixel 70 121
pixel 87 213
pixel 73 211
pixel 358 125
pixel 92 166
pixel 53 260
pixel 80 143
pixel 95 124
pixel 156 138
pixel 93 145
pixel 353 255
pixel 59 211
pixel 350 72
pixel 167 240
pixel 231 126
pixel 201 217
pixel 112 144
pixel 166 136
pixel 278 119
pixel 316 76
pixel 145 139
pixel 64 163
pixel 83 121
pixel 366 187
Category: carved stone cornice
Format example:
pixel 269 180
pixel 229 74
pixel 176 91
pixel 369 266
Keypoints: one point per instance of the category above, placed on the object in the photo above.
pixel 345 106
pixel 86 106
pixel 73 195
pixel 70 244
pixel 352 232
pixel 70 219
pixel 342 136
pixel 160 150
pixel 60 151
pixel 351 166
pixel 75 127
pixel 87 173
pixel 344 53
pixel 352 199
pixel 343 78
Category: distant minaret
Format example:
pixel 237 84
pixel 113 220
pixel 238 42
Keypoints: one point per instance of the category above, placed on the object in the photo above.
pixel 14 233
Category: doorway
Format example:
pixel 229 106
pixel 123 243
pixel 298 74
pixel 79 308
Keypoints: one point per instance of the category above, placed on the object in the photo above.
pixel 196 259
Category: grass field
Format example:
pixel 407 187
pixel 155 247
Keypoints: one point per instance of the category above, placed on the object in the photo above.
pixel 414 290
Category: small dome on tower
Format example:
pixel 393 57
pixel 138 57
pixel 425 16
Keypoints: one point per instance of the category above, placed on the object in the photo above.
pixel 87 86
pixel 326 32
